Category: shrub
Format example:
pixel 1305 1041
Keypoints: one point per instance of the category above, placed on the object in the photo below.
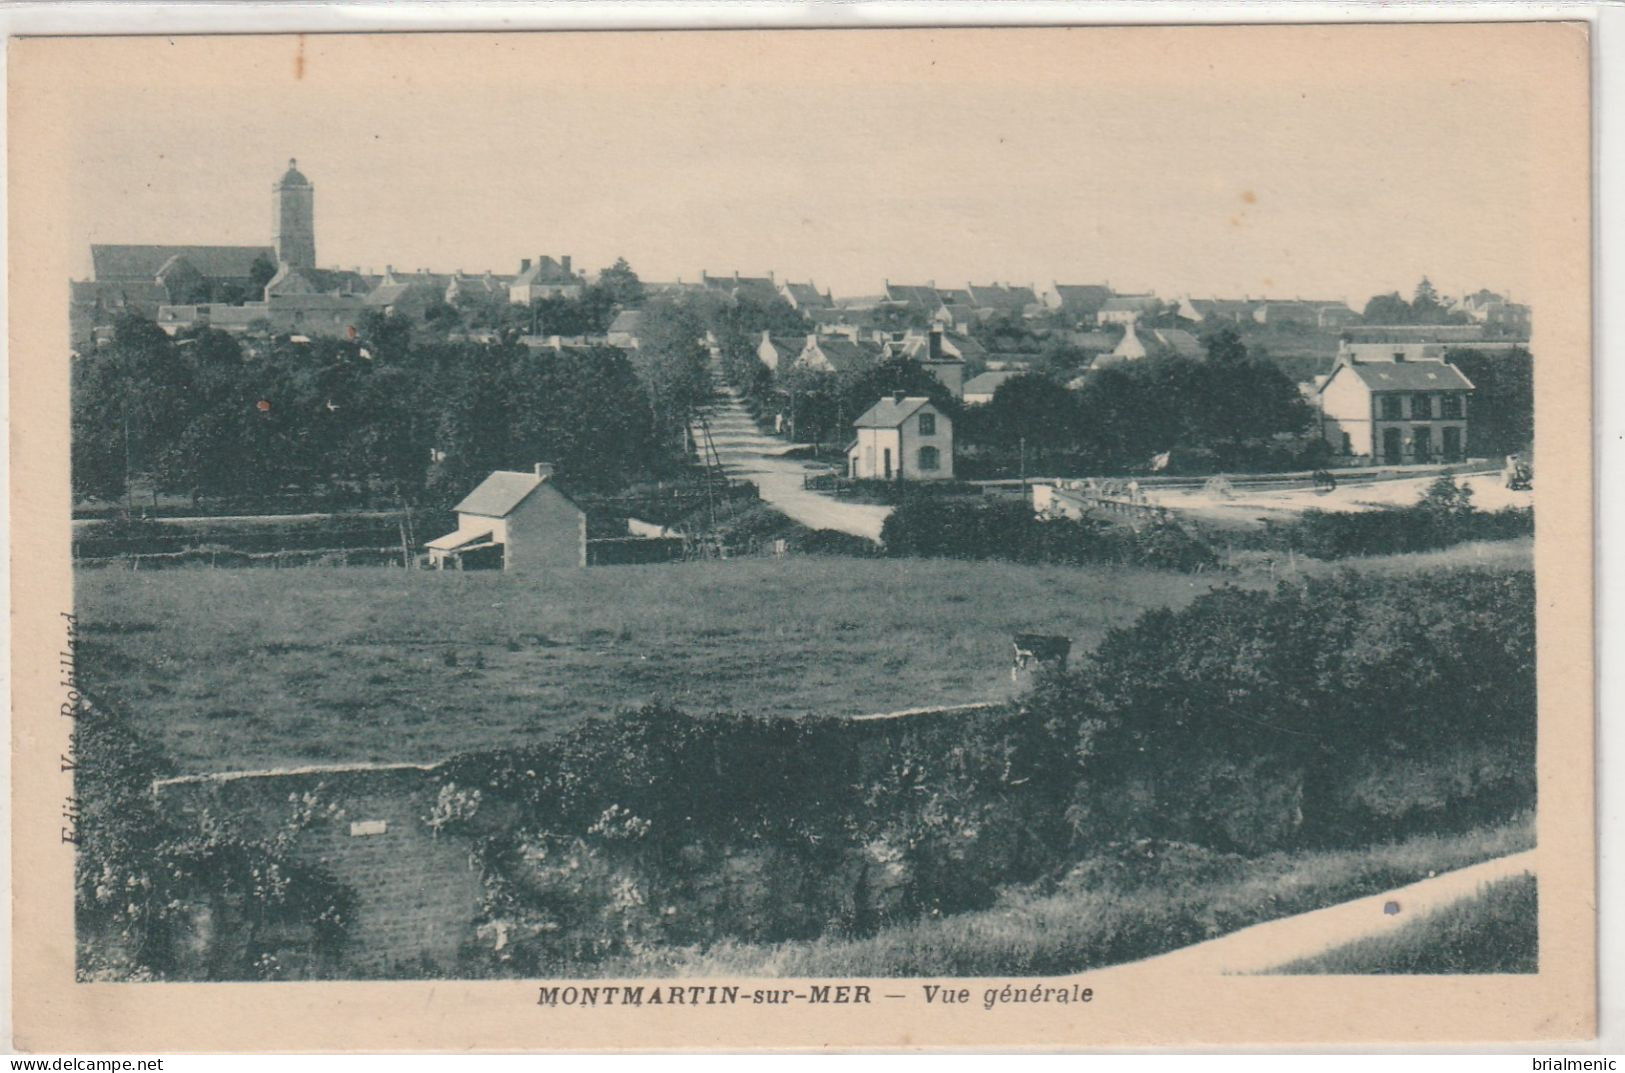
pixel 1444 516
pixel 144 875
pixel 1003 529
pixel 1253 719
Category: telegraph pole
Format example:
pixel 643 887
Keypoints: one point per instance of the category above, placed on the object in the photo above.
pixel 1023 468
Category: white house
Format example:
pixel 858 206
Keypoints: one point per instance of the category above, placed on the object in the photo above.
pixel 544 278
pixel 1395 410
pixel 775 350
pixel 515 521
pixel 902 438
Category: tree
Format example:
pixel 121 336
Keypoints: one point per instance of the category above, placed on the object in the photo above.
pixel 1501 415
pixel 621 284
pixel 1035 410
pixel 259 274
pixel 1387 309
pixel 1224 346
pixel 672 362
pixel 1425 304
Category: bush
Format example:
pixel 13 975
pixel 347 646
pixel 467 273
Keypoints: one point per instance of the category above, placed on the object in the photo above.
pixel 144 876
pixel 1324 535
pixel 1252 720
pixel 1003 529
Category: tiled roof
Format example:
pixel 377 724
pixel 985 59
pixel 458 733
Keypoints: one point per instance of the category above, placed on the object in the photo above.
pixel 628 321
pixel 988 383
pixel 845 356
pixel 910 294
pixel 1082 299
pixel 543 271
pixel 1135 303
pixel 806 295
pixel 994 296
pixel 889 412
pixel 499 494
pixel 143 262
pixel 1179 341
pixel 1408 375
pixel 390 293
pixel 119 293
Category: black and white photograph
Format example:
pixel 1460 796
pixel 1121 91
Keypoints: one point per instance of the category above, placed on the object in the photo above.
pixel 758 519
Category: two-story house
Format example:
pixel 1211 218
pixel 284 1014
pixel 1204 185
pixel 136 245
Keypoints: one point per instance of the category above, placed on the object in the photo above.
pixel 902 438
pixel 1399 409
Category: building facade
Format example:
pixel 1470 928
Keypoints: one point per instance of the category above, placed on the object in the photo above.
pixel 1395 410
pixel 902 438
pixel 518 521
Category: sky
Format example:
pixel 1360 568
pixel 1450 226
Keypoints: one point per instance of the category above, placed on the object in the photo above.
pixel 1329 163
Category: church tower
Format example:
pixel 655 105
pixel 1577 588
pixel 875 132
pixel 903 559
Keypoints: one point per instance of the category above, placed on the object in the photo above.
pixel 295 219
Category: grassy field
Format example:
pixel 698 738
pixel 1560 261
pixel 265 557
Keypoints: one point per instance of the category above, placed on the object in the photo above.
pixel 1496 931
pixel 244 669
pixel 1085 922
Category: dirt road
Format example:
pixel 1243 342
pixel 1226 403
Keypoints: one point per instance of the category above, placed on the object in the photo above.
pixel 1249 506
pixel 1263 947
pixel 748 454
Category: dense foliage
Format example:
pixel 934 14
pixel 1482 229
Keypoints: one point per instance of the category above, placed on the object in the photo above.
pixel 1445 516
pixel 1002 529
pixel 1234 406
pixel 1248 723
pixel 207 415
pixel 1502 419
pixel 152 888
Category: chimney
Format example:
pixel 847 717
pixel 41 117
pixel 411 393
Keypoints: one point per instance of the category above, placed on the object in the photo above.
pixel 898 397
pixel 933 347
pixel 524 264
pixel 564 262
pixel 544 470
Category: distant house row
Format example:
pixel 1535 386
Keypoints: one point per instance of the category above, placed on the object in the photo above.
pixel 278 288
pixel 942 354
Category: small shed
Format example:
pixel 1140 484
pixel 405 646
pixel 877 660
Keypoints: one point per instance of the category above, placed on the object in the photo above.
pixel 515 521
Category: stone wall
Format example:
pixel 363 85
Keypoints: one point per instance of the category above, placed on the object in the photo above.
pixel 417 891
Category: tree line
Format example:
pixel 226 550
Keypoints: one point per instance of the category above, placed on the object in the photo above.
pixel 401 412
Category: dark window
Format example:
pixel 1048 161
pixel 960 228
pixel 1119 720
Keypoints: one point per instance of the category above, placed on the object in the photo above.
pixel 1422 407
pixel 1348 444
pixel 928 424
pixel 1450 406
pixel 928 460
pixel 1390 408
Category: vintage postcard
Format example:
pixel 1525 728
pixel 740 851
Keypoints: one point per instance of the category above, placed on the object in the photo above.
pixel 852 538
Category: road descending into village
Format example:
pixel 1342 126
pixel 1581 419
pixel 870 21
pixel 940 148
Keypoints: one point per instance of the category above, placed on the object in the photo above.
pixel 748 454
pixel 1275 943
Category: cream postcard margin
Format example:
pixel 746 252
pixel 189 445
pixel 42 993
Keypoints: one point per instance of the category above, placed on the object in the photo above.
pixel 1134 1005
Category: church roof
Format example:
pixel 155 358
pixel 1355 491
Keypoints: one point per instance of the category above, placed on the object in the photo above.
pixel 293 176
pixel 118 262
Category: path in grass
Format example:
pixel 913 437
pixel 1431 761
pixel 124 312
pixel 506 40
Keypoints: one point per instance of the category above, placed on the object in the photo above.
pixel 748 454
pixel 1268 946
